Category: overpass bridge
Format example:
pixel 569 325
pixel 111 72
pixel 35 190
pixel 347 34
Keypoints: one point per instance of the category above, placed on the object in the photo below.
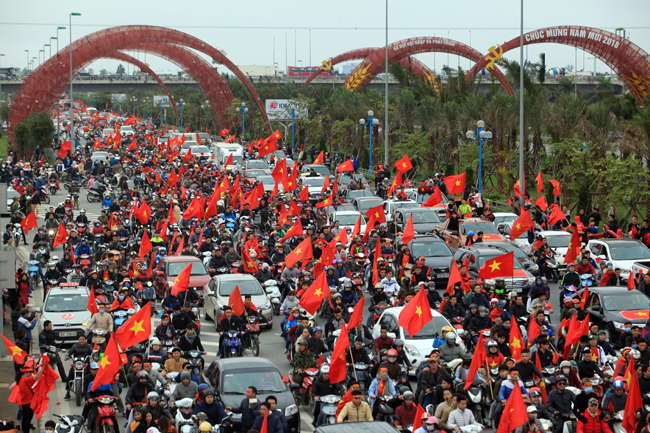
pixel 585 85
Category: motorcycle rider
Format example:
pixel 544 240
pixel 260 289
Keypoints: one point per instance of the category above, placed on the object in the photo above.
pixel 175 363
pixel 78 350
pixel 302 360
pixel 453 309
pixel 213 409
pixel 47 339
pixel 431 377
pixel 381 385
pixel 559 403
pixel 185 389
pixel 322 387
pixel 315 342
pixel 451 350
pixel 122 302
pixel 76 276
pixel 191 341
pixel 102 321
pixel 138 391
pixel 165 331
pixel 228 322
pixel 479 323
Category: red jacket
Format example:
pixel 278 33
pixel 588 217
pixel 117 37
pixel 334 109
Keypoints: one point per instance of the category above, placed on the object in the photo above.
pixel 594 424
pixel 406 415
pixel 383 344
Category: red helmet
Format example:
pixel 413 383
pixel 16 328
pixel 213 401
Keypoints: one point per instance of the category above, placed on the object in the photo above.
pixel 391 353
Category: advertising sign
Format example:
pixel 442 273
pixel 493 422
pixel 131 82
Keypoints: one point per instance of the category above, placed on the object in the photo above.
pixel 280 109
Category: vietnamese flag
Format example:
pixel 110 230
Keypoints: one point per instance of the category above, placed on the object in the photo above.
pixel 634 401
pixel 516 342
pixel 556 215
pixel 346 166
pixel 312 299
pixel 66 147
pixel 269 146
pixel 415 314
pixel 541 203
pixel 110 364
pixel 302 252
pixel 326 185
pixel 134 145
pixel 478 360
pixel 573 251
pixel 434 199
pixel 417 422
pixel 631 284
pixel 534 331
pixel 61 236
pixel 279 173
pixel 143 213
pixel 304 194
pixel 341 236
pixel 136 329
pixel 182 280
pixel 409 231
pixel 556 186
pixel 319 158
pixel 249 264
pixel 325 203
pixel 145 246
pixel 454 277
pixel 29 223
pixel 223 133
pixel 403 164
pixel 521 225
pixel 501 266
pixel 514 414
pixel 198 140
pixel 585 296
pixel 235 302
pixel 16 352
pixel 455 184
pixel 295 230
pixel 92 303
pixel 377 214
pixel 338 366
pixel 357 314
pixel 180 246
pixel 540 182
pixel 357 228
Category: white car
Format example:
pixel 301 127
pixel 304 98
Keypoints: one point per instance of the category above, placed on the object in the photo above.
pixel 201 152
pixel 185 147
pixel 622 253
pixel 419 346
pixel 391 206
pixel 314 185
pixel 559 242
pixel 347 220
pixel 126 131
pixel 504 217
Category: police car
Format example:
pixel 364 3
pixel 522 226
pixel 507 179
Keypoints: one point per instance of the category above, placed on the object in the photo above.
pixel 66 307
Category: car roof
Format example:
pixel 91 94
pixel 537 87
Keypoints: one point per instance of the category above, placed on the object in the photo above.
pixel 347 212
pixel 234 277
pixel 478 250
pixel 398 310
pixel 177 259
pixel 502 214
pixel 427 238
pixel 548 233
pixel 356 427
pixel 66 290
pixel 614 241
pixel 607 290
pixel 246 362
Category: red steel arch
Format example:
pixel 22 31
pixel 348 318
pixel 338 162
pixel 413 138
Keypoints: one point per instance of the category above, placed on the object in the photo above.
pixel 46 83
pixel 629 61
pixel 375 62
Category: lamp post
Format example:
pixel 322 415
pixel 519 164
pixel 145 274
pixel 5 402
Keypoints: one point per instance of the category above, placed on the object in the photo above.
pixel 181 104
pixel 206 107
pixel 243 110
pixel 133 100
pixel 160 102
pixel 72 14
pixel 481 135
pixel 57 41
pixel 370 123
pixel 27 51
pixel 293 129
pixel 52 38
pixel 147 101
pixel 47 45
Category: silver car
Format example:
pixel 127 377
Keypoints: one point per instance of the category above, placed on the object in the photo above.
pixel 66 308
pixel 217 292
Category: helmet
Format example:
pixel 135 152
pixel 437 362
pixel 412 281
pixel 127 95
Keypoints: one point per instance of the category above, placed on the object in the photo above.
pixel 318 329
pixel 565 364
pixel 205 426
pixel 379 286
pixel 560 377
pixel 482 309
pixel 325 369
pixel 143 374
pixel 392 353
pixel 153 396
pixel 450 336
pixel 398 342
pixel 470 234
pixel 208 392
pixel 153 430
pixel 618 384
pixel 636 354
pixel 473 306
pixel 94 366
pixel 492 343
pixel 535 392
pixel 568 300
pixel 82 210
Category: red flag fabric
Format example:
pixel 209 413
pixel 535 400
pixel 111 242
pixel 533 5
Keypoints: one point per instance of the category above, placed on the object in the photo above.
pixel 415 314
pixel 357 228
pixel 182 280
pixel 417 422
pixel 541 203
pixel 403 164
pixel 228 161
pixel 249 264
pixel 433 199
pixel 236 303
pixel 91 306
pixel 634 401
pixel 338 366
pixel 516 342
pixel 109 366
pixel 556 186
pixel 269 146
pixel 145 246
pixel 573 251
pixel 179 250
pixel 346 166
pixel 540 182
pixel 66 147
pixel 61 235
pixel 265 428
pixel 455 184
pixel 136 329
pixel 533 332
pixel 280 172
pixel 514 414
pixel 16 352
pixel 501 266
pixel 454 277
pixel 477 360
pixel 521 225
pixel 409 231
pixel 319 158
pixel 312 299
pixel 631 284
pixel 377 214
pixel 29 222
pixel 302 252
pixel 556 215
pixel 357 314
pixel 223 132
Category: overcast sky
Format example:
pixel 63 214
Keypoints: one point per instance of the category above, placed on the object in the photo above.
pixel 245 30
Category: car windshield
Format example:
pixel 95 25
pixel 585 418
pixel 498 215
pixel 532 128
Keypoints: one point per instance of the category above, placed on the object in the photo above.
pixel 237 159
pixel 347 219
pixel 266 381
pixel 424 197
pixel 558 241
pixel 313 181
pixel 629 251
pixel 427 217
pixel 246 287
pixel 257 164
pixel 66 303
pixel 430 249
pixel 108 131
pixel 279 155
pixel 320 169
pixel 175 268
pixel 126 129
pixel 485 227
pixel 255 173
pixel 100 154
pixel 626 301
pixel 204 136
pixel 267 180
pixel 345 180
pixel 430 330
pixel 405 204
pixel 359 193
pixel 483 258
pixel 364 205
pixel 200 149
pixel 504 219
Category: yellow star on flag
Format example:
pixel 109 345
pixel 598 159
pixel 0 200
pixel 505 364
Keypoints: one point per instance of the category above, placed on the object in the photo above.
pixel 104 362
pixel 493 364
pixel 458 183
pixel 376 214
pixel 281 171
pixel 642 313
pixel 266 147
pixel 250 264
pixel 495 265
pixel 519 226
pixel 144 213
pixel 404 165
pixel 137 327
pixel 176 280
pixel 319 292
pixel 15 350
pixel 298 250
pixel 418 311
pixel 516 343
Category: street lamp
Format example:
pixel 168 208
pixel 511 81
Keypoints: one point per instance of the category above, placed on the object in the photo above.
pixel 27 51
pixel 147 101
pixel 47 45
pixel 72 14
pixel 481 135
pixel 160 102
pixel 181 104
pixel 243 110
pixel 293 129
pixel 370 123
pixel 206 107
pixel 133 99
pixel 57 41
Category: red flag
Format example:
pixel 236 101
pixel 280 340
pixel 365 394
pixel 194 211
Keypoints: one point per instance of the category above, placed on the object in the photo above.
pixel 417 422
pixel 454 277
pixel 541 203
pixel 516 343
pixel 338 366
pixel 66 147
pixel 533 331
pixel 542 383
pixel 92 303
pixel 312 299
pixel 249 264
pixel 403 164
pixel 109 366
pixel 415 314
pixel 501 266
pixel 556 186
pixel 280 172
pixel 145 246
pixel 16 352
pixel 270 145
pixel 74 261
pixel 228 161
pixel 571 332
pixel 61 236
pixel 302 252
pixel 143 213
pixel 409 231
pixel 573 251
pixel 326 185
pixel 521 225
pixel 540 182
pixel 634 401
pixel 585 296
pixel 346 166
pixel 434 199
pixel 264 428
pixel 304 195
pixel 356 316
pixel 182 280
pixel 319 159
pixel 455 184
pixel 631 284
pixel 29 223
pixel 556 215
pixel 377 214
pixel 179 250
pixel 136 329
pixel 357 228
pixel 223 132
pixel 236 303
pixel 477 360
pixel 514 414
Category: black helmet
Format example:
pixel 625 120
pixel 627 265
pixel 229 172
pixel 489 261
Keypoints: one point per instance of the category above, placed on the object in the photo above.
pixel 208 392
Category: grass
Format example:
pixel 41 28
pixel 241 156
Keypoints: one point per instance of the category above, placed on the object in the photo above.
pixel 3 147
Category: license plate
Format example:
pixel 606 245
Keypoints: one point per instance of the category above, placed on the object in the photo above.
pixel 67 334
pixel 442 275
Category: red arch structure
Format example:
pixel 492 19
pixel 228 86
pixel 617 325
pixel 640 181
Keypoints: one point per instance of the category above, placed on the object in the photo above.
pixel 630 62
pixel 418 68
pixel 44 85
pixel 375 62
pixel 118 55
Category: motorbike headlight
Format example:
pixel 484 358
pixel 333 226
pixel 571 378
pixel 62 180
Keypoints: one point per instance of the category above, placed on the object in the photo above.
pixel 411 350
pixel 620 326
pixel 491 281
pixel 291 410
pixel 78 365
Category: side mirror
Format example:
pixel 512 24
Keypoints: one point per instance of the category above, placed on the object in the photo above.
pixel 294 387
pixel 596 308
pixel 37 310
pixel 392 335
pixel 507 237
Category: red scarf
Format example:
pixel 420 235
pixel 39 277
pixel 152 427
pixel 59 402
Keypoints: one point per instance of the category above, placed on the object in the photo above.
pixel 382 386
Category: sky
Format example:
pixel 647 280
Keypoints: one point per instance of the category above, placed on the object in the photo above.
pixel 248 31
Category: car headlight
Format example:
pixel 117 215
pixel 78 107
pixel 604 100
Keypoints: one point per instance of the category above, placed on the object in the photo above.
pixel 266 306
pixel 620 326
pixel 411 350
pixel 291 410
pixel 534 267
pixel 531 280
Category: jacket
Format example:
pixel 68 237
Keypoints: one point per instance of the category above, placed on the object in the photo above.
pixel 460 418
pixel 560 402
pixel 182 391
pixel 273 424
pixel 248 415
pixel 431 380
pixel 102 321
pixel 138 393
pixel 405 414
pixel 354 413
pixel 389 389
pixel 214 411
pixel 24 323
pixel 595 423
pixel 380 344
pixel 449 352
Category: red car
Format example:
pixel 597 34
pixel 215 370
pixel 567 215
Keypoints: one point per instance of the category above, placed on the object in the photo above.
pixel 169 268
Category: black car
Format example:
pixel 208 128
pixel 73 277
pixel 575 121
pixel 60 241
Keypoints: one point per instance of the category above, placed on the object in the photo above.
pixel 424 219
pixel 437 256
pixel 528 263
pixel 232 376
pixel 610 307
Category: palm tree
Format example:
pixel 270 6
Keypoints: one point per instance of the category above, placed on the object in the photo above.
pixel 604 85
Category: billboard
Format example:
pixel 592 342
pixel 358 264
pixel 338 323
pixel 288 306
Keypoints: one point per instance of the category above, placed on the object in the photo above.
pixel 119 97
pixel 157 100
pixel 306 71
pixel 280 109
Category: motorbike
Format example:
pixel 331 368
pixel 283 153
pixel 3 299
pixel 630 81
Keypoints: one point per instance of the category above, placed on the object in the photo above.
pixel 195 358
pixel 33 272
pixel 98 336
pixel 85 261
pixel 550 267
pixel 119 317
pixel 385 412
pixel 79 364
pixel 54 186
pixel 304 389
pixel 273 294
pixel 184 412
pixel 362 375
pixel 106 421
pixel 252 335
pixel 45 195
pixel 232 344
pixel 329 407
pixel 69 423
pixel 478 402
pixel 17 234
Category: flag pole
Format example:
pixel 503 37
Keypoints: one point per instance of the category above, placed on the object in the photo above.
pixel 488 373
pixel 353 367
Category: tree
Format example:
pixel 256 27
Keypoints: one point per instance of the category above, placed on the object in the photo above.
pixel 604 85
pixel 41 130
pixel 21 138
pixel 103 72
pixel 120 70
pixel 4 112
